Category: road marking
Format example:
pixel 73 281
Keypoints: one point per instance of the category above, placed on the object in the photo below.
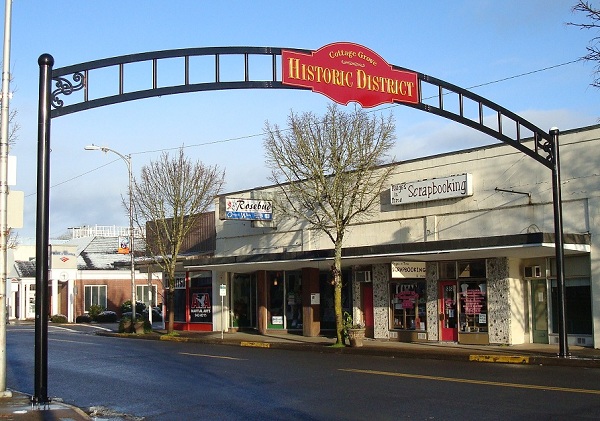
pixel 481 382
pixel 29 329
pixel 62 328
pixel 255 344
pixel 213 356
pixel 96 327
pixel 75 342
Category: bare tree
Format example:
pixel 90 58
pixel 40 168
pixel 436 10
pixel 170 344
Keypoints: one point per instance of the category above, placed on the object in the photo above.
pixel 593 49
pixel 325 170
pixel 168 199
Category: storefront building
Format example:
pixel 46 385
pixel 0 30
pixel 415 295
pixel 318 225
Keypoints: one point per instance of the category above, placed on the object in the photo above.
pixel 461 250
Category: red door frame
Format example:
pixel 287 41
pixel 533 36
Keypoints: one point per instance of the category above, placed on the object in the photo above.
pixel 367 308
pixel 448 305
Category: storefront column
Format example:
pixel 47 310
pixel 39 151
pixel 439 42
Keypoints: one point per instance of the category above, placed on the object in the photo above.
pixel 311 319
pixel 432 277
pixel 381 300
pixel 261 301
pixel 498 290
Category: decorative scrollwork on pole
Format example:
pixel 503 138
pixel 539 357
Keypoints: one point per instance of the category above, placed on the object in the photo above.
pixel 546 146
pixel 66 87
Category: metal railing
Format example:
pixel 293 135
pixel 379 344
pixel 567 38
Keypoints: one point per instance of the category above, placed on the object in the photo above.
pixel 104 231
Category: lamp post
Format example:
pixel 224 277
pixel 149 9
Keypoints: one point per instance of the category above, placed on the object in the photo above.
pixel 4 229
pixel 127 159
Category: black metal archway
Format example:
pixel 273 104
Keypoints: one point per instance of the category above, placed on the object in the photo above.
pixel 74 82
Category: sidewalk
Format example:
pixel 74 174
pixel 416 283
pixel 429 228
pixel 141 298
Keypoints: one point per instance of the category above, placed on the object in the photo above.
pixel 18 407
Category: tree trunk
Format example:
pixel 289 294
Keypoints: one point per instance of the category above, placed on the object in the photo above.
pixel 171 310
pixel 337 294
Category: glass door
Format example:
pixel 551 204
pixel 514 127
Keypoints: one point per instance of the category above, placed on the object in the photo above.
pixel 293 299
pixel 448 311
pixel 243 295
pixel 275 300
pixel 539 303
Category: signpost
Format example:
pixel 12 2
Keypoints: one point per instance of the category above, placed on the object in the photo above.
pixel 222 293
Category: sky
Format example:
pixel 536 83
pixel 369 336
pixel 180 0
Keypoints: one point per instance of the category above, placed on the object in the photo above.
pixel 499 49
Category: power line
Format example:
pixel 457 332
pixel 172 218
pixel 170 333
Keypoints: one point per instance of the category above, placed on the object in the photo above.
pixel 525 74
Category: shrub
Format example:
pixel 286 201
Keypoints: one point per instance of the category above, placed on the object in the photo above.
pixel 106 317
pixel 83 318
pixel 58 318
pixel 139 307
pixel 94 310
pixel 156 315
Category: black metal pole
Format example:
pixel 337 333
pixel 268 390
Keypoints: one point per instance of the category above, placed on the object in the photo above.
pixel 46 61
pixel 563 351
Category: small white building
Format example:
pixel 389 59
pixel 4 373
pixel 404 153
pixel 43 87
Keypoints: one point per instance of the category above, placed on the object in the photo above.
pixel 88 269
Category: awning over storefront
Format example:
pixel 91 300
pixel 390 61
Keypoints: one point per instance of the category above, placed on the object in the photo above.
pixel 531 245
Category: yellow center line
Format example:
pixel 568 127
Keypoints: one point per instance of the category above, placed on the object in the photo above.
pixel 480 382
pixel 212 356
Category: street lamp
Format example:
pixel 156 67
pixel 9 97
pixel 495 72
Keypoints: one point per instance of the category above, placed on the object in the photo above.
pixel 127 159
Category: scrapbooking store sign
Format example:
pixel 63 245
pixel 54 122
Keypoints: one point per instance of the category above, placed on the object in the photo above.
pixel 455 186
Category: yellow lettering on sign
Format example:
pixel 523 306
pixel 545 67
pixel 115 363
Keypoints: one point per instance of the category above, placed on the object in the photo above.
pixel 362 80
pixel 294 68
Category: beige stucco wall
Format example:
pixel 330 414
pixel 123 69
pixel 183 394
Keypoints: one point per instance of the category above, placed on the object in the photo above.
pixel 495 167
pixel 501 175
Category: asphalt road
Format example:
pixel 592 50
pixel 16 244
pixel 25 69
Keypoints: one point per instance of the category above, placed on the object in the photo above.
pixel 158 380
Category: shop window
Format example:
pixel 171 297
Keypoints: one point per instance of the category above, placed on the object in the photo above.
pixel 578 302
pixel 201 297
pixel 473 306
pixel 447 270
pixel 408 301
pixel 327 291
pixel 94 295
pixel 179 297
pixel 146 294
pixel 473 269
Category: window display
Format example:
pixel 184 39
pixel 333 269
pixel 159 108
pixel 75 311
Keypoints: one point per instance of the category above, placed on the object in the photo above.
pixel 200 297
pixel 473 306
pixel 408 305
pixel 180 294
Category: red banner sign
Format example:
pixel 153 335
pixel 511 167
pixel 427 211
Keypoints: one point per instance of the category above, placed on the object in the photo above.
pixel 346 72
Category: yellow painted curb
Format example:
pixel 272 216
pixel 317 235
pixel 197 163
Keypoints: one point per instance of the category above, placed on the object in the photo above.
pixel 256 344
pixel 512 359
pixel 174 339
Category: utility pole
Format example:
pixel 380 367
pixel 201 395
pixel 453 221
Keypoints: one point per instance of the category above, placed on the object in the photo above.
pixel 4 196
